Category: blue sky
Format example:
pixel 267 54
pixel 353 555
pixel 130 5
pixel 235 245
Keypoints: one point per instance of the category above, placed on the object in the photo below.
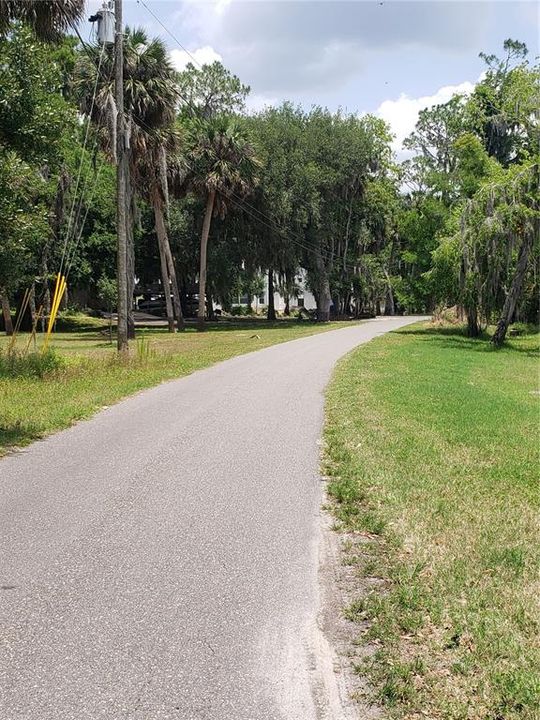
pixel 387 57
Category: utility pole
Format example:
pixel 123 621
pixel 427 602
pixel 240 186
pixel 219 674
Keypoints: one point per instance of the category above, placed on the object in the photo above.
pixel 121 178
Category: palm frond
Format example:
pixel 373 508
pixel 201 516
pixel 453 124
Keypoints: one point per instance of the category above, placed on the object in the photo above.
pixel 48 18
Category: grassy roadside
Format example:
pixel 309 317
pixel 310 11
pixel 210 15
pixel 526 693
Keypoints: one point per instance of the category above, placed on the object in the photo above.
pixel 90 375
pixel 432 453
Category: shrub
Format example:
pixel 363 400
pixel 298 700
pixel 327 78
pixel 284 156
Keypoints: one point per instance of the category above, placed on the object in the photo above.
pixel 238 310
pixel 38 364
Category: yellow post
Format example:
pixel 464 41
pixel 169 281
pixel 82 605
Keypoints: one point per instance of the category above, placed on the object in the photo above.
pixel 58 294
pixel 56 289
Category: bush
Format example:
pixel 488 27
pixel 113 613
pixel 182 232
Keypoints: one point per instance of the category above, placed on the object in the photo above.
pixel 238 310
pixel 37 364
pixel 520 328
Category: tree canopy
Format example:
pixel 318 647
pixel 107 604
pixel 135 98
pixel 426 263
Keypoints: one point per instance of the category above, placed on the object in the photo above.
pixel 285 192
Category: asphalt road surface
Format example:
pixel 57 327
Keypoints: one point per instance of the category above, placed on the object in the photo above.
pixel 159 561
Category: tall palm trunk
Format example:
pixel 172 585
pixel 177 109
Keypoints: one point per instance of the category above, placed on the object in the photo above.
pixel 177 305
pixel 202 269
pixel 160 199
pixel 6 311
pixel 162 243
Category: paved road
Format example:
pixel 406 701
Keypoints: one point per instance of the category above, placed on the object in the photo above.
pixel 159 561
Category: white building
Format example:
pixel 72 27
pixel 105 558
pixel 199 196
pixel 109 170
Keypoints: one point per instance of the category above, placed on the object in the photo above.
pixel 305 297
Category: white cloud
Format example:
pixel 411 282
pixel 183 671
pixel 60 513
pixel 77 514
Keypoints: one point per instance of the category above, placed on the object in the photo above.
pixel 204 56
pixel 255 103
pixel 402 114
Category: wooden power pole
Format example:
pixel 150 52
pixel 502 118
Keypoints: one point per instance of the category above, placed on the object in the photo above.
pixel 121 179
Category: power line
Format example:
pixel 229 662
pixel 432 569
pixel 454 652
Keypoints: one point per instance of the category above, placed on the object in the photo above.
pixel 305 245
pixel 75 240
pixel 177 41
pixel 70 219
pixel 73 249
pixel 236 200
pixel 301 242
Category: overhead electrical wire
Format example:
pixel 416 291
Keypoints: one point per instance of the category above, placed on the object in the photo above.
pixel 235 199
pixel 328 255
pixel 70 255
pixel 70 218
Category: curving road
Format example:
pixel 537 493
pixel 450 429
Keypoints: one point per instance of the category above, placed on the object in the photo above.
pixel 159 561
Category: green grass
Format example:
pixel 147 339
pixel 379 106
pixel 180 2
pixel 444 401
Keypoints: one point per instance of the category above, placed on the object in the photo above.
pixel 86 374
pixel 432 453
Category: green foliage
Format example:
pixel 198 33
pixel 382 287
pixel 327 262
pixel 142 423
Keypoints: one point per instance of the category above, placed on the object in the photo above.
pixel 222 159
pixel 34 116
pixel 36 124
pixel 238 310
pixel 473 164
pixel 210 91
pixel 107 291
pixel 504 105
pixel 48 20
pixel 419 226
pixel 23 217
pixel 312 191
pixel 16 364
pixel 326 191
pixel 478 156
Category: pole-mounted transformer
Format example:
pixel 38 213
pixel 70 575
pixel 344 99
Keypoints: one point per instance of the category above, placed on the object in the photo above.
pixel 105 23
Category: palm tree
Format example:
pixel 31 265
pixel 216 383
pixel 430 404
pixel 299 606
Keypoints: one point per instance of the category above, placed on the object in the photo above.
pixel 150 100
pixel 224 168
pixel 49 19
pixel 161 160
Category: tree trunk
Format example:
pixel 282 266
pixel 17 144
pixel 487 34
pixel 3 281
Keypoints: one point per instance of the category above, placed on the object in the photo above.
pixel 287 310
pixel 347 235
pixel 202 270
pixel 210 307
pixel 6 311
pixel 514 293
pixel 46 292
pixel 271 311
pixel 161 237
pixel 473 326
pixel 180 325
pixel 335 306
pixel 389 305
pixel 324 299
pixel 32 305
pixel 161 196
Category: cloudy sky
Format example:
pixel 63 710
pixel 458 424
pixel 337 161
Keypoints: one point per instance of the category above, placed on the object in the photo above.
pixel 391 58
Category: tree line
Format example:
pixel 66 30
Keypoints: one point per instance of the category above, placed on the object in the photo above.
pixel 220 197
